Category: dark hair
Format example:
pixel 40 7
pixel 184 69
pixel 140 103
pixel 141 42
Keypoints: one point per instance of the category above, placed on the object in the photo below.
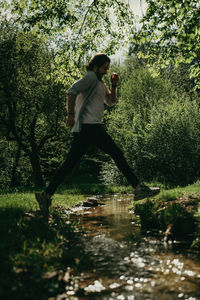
pixel 98 60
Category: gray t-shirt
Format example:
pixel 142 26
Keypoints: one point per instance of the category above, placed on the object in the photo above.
pixel 91 96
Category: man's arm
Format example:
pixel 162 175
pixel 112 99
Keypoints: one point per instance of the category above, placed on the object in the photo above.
pixel 70 108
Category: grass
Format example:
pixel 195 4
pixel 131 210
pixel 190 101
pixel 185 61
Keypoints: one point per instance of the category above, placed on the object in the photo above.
pixel 66 196
pixel 177 192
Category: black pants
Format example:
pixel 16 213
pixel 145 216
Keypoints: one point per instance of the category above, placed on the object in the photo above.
pixel 96 135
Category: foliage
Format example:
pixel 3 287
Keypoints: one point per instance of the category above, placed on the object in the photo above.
pixel 15 168
pixel 32 104
pixel 155 120
pixel 138 91
pixel 170 35
pixel 180 79
pixel 75 29
pixel 31 252
pixel 48 42
pixel 171 142
pixel 158 130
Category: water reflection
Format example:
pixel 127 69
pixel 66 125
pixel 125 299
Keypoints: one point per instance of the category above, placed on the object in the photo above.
pixel 119 262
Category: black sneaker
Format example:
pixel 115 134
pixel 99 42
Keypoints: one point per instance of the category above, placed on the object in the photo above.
pixel 44 203
pixel 146 192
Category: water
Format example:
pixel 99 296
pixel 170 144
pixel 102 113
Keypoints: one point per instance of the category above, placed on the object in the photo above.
pixel 120 262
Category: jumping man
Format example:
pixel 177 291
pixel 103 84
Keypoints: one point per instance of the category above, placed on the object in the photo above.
pixel 85 110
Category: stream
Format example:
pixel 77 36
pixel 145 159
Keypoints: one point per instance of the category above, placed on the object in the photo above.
pixel 121 262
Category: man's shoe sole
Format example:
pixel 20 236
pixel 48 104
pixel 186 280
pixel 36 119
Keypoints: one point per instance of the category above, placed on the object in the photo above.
pixel 140 196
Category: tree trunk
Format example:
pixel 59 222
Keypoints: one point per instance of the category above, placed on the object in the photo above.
pixel 14 178
pixel 37 172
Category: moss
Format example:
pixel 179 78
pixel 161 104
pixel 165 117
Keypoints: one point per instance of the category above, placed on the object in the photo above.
pixel 175 217
pixel 147 212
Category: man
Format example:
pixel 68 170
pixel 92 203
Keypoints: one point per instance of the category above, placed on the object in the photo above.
pixel 85 109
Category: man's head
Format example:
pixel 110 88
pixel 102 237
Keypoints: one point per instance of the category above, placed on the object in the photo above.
pixel 100 64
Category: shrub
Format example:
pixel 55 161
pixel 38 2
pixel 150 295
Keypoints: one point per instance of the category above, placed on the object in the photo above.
pixel 159 132
pixel 171 142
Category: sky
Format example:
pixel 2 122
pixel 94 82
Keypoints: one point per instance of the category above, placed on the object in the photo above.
pixel 139 8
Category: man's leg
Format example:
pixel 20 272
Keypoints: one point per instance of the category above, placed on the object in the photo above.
pixel 78 148
pixel 67 169
pixel 105 142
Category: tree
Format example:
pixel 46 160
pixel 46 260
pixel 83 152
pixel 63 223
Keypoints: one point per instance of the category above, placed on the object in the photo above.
pixel 170 34
pixel 31 103
pixel 76 29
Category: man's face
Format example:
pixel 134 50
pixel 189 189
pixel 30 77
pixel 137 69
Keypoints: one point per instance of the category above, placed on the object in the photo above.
pixel 103 70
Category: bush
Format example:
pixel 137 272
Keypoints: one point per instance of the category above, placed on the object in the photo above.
pixel 171 143
pixel 158 131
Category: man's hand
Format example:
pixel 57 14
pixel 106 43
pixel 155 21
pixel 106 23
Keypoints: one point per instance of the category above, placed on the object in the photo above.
pixel 112 93
pixel 114 79
pixel 70 121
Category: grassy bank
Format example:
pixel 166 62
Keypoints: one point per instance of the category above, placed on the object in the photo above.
pixel 177 192
pixel 176 212
pixel 35 258
pixel 66 196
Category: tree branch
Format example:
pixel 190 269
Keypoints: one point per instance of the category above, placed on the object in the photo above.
pixel 101 14
pixel 11 126
pixel 81 28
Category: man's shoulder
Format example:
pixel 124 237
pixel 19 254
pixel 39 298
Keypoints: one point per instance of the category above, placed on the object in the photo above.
pixel 90 79
pixel 91 74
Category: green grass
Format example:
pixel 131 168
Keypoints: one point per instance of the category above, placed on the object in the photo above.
pixel 66 196
pixel 177 192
